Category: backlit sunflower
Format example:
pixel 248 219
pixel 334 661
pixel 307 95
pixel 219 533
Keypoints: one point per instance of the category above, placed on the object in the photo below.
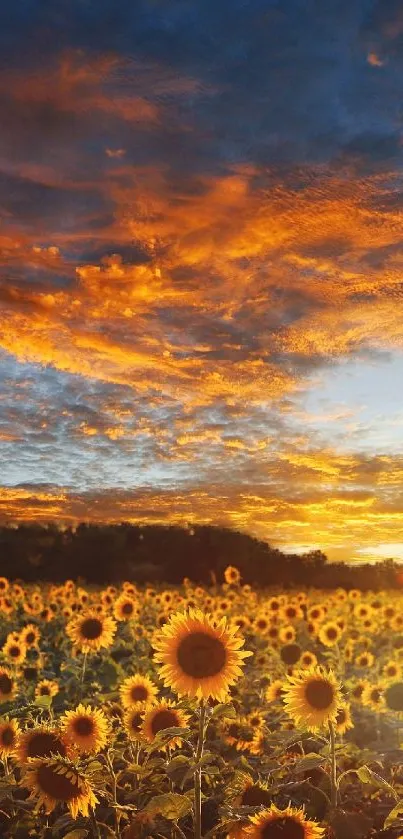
pixel 47 687
pixel 287 634
pixel 30 635
pixel 232 574
pixel 125 608
pixel 289 823
pixel 85 728
pixel 40 741
pixel 329 633
pixel 8 685
pixel 274 692
pixel 356 689
pixel 343 720
pixel 137 691
pixel 392 671
pixel 14 650
pixel 373 696
pixel 199 657
pixel 54 781
pixel 90 631
pixel 365 660
pixel 9 732
pixel 4 585
pixel 133 721
pixel 312 697
pixel 159 717
pixel 308 659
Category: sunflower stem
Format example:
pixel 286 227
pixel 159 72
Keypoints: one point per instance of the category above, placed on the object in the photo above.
pixel 83 668
pixel 198 773
pixel 94 824
pixel 333 766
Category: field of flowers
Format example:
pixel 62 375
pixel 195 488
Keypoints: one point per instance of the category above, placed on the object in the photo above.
pixel 185 713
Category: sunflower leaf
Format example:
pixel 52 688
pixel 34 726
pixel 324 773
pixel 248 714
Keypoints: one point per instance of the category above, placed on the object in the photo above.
pixel 171 805
pixel 395 815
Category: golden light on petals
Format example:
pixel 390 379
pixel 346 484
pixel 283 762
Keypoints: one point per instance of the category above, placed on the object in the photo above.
pixel 85 729
pixel 53 781
pixel 199 656
pixel 312 697
pixel 91 631
pixel 276 824
pixel 137 691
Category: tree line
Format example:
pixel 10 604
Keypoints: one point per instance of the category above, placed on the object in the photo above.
pixel 109 553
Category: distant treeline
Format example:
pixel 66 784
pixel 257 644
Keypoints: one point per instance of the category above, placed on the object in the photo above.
pixel 111 553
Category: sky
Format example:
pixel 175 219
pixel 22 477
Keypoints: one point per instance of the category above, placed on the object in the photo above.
pixel 201 254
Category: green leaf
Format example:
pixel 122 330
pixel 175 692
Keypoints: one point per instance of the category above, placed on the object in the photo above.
pixel 43 701
pixel 172 806
pixel 225 709
pixel 368 776
pixel 309 761
pixel 395 815
pixel 177 769
pixel 166 734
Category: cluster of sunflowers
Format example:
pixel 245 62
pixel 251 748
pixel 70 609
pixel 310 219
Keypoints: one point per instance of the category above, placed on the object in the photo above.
pixel 137 713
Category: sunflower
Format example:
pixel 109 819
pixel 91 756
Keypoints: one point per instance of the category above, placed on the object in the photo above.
pixel 287 634
pixel 274 692
pixel 137 691
pixel 47 687
pixel 232 575
pixel 329 633
pixel 133 721
pixel 4 585
pixel 55 781
pixel 365 660
pixel 30 635
pixel 290 653
pixel 356 689
pixel 85 728
pixel 9 733
pixel 308 659
pixel 91 631
pixel 159 717
pixel 40 741
pixel 8 687
pixel 261 624
pixel 312 697
pixel 343 719
pixel 373 696
pixel 14 650
pixel 252 794
pixel 256 719
pixel 392 670
pixel 125 608
pixel 274 824
pixel 199 657
pixel 238 732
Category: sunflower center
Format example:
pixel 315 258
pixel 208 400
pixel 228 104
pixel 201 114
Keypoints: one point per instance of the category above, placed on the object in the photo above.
pixel 91 629
pixel 283 828
pixel 44 743
pixel 30 638
pixel 14 652
pixel 341 717
pixel 319 694
pixel 55 785
pixel 201 655
pixel 84 726
pixel 7 736
pixel 290 654
pixel 163 719
pixel 44 690
pixel 331 633
pixel 127 609
pixel 6 684
pixel 135 722
pixel 139 693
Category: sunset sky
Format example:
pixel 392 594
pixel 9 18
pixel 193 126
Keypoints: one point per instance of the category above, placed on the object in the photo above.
pixel 201 267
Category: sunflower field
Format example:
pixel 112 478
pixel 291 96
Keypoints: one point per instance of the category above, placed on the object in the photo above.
pixel 179 713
